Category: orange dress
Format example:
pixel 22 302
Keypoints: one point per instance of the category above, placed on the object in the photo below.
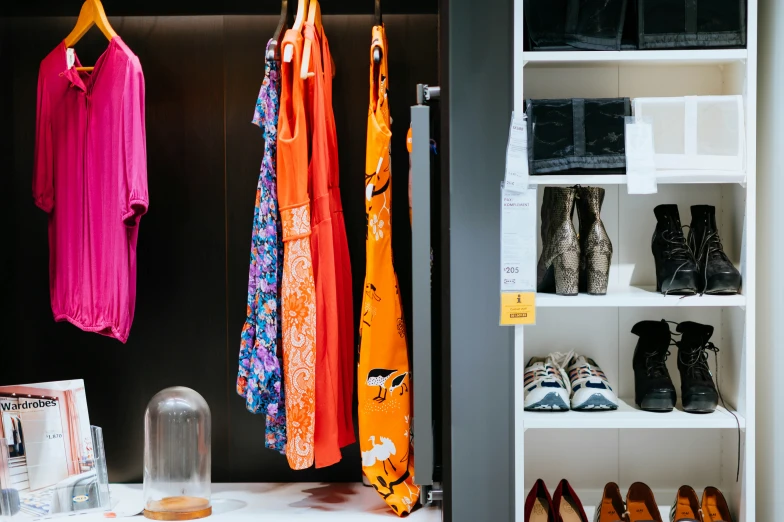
pixel 345 291
pixel 323 252
pixel 384 377
pixel 298 294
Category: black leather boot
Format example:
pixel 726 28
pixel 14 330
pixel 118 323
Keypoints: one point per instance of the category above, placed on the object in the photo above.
pixel 698 391
pixel 717 273
pixel 595 247
pixel 653 388
pixel 558 268
pixel 676 268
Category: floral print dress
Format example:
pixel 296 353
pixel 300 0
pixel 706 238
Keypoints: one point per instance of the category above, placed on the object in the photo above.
pixel 259 379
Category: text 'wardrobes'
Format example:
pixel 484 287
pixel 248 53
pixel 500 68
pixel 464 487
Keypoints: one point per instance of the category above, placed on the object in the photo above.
pixel 245 201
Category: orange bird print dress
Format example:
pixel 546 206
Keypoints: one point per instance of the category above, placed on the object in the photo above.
pixel 384 386
pixel 298 293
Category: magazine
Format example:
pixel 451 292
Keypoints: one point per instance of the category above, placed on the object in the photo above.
pixel 49 463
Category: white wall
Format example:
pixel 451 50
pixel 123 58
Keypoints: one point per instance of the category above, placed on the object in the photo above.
pixel 770 261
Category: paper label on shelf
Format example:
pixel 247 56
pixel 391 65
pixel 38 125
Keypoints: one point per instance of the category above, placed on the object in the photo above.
pixel 516 177
pixel 70 57
pixel 640 165
pixel 518 308
pixel 518 240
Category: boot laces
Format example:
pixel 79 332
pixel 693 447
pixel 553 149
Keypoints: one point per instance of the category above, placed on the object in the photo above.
pixel 695 359
pixel 656 363
pixel 677 249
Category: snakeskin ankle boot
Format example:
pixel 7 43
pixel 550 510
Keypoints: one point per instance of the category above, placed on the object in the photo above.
pixel 559 264
pixel 595 247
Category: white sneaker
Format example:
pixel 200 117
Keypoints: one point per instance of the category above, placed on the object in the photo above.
pixel 590 387
pixel 546 385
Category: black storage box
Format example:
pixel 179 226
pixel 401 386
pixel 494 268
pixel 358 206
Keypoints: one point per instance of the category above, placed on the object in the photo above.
pixel 577 136
pixel 673 24
pixel 595 24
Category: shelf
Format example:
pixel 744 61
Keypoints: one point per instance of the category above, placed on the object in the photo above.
pixel 629 416
pixel 632 296
pixel 282 502
pixel 669 57
pixel 670 177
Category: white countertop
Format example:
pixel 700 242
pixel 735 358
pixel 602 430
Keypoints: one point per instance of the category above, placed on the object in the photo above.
pixel 281 502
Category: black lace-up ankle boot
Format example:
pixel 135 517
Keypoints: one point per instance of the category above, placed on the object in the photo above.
pixel 717 273
pixel 595 247
pixel 559 264
pixel 698 391
pixel 676 268
pixel 653 388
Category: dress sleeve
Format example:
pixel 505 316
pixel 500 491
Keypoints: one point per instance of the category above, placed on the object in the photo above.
pixel 43 169
pixel 135 146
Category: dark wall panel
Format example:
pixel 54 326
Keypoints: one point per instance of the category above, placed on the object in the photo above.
pixel 202 76
pixel 179 332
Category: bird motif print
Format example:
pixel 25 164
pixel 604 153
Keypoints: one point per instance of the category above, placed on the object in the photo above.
pixel 384 417
pixel 399 382
pixel 379 377
pixel 380 453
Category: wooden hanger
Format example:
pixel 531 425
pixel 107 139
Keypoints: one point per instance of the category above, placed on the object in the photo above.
pixel 314 17
pixel 376 51
pixel 278 34
pixel 302 9
pixel 92 14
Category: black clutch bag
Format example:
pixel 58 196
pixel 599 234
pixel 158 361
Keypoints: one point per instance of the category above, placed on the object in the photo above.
pixel 577 136
pixel 672 24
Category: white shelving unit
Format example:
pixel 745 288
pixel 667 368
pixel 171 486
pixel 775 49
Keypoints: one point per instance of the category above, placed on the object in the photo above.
pixel 663 450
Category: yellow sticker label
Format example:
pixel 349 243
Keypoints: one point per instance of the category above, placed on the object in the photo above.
pixel 518 308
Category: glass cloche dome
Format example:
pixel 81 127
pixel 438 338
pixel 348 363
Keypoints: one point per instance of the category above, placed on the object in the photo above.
pixel 177 462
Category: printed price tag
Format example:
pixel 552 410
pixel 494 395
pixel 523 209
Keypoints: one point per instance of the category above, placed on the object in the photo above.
pixel 518 240
pixel 516 177
pixel 640 165
pixel 518 308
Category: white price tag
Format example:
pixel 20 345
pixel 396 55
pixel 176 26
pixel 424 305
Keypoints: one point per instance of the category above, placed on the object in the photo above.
pixel 640 164
pixel 516 177
pixel 518 240
pixel 70 57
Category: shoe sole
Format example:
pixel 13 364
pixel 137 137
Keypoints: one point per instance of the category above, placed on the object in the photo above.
pixel 657 402
pixel 701 404
pixel 550 402
pixel 596 401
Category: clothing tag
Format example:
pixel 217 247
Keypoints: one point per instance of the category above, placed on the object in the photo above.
pixel 516 177
pixel 640 165
pixel 70 57
pixel 518 240
pixel 518 308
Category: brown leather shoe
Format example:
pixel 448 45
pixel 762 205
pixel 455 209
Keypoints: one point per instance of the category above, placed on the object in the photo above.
pixel 686 507
pixel 714 507
pixel 641 505
pixel 612 507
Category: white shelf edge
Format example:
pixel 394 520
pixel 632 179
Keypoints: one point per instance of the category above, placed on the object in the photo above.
pixel 668 177
pixel 675 57
pixel 628 416
pixel 641 297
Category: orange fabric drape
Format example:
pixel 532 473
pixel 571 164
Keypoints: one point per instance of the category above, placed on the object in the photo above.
pixel 384 377
pixel 322 247
pixel 345 295
pixel 298 294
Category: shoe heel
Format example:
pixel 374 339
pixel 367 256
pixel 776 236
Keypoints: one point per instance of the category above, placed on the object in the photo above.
pixel 597 272
pixel 567 268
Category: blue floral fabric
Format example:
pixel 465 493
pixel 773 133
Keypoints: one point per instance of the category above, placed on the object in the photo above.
pixel 259 378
